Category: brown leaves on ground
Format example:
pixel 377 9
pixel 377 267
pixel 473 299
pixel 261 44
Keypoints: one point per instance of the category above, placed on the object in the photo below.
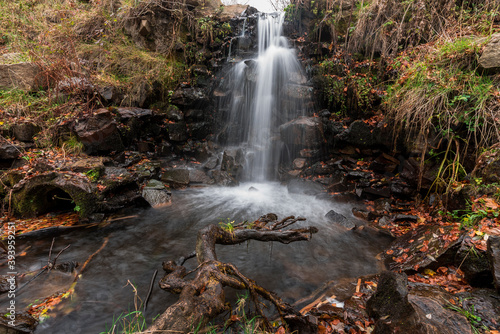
pixel 33 224
pixel 449 278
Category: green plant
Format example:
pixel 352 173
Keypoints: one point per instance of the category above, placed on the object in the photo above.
pixel 228 226
pixel 246 324
pixel 72 146
pixel 93 174
pixel 131 321
pixel 469 313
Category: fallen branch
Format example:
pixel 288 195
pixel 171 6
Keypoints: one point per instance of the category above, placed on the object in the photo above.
pixel 202 298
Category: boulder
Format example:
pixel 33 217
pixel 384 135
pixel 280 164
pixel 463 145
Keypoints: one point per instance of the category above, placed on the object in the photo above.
pixel 156 194
pixel 21 76
pixel 52 191
pixel 299 163
pixel 490 58
pixel 199 176
pixel 304 132
pixel 339 219
pixel 126 113
pixel 91 163
pixel 10 151
pixel 429 246
pixel 232 162
pixel 99 133
pixel 190 97
pixel 421 312
pixel 298 92
pixel 177 178
pixel 25 131
pixel 474 264
pixel 177 131
pixel 493 252
pixel 223 178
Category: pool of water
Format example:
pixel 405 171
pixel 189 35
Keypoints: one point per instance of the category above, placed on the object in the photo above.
pixel 136 247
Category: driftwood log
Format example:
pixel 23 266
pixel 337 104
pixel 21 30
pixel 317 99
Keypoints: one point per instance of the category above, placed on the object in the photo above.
pixel 202 298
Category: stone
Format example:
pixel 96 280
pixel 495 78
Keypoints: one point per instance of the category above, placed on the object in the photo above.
pixel 211 163
pixel 384 163
pixel 490 58
pixel 299 163
pixel 339 219
pixel 223 178
pixel 25 131
pixel 99 133
pixel 199 130
pixel 190 97
pixel 199 176
pixel 156 194
pixel 86 164
pixel 232 162
pixel 110 94
pixel 474 264
pixel 493 251
pixel 177 131
pixel 24 324
pixel 21 76
pixel 10 151
pixel 441 248
pixel 488 165
pixel 177 178
pixel 303 132
pixel 361 134
pixel 130 112
pixel 50 191
pixel 144 28
pixel 391 298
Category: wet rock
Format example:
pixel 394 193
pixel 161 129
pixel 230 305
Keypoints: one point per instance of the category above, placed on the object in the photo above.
pixel 24 323
pixel 199 176
pixel 253 189
pixel 304 187
pixel 190 97
pixel 177 131
pixel 361 134
pixel 156 194
pixel 303 132
pixel 177 178
pixel 362 214
pixel 223 178
pixel 410 173
pixel 391 298
pixel 211 163
pixel 99 133
pixel 51 191
pixel 474 264
pixel 25 131
pixel 402 189
pixel 493 252
pixel 232 162
pixel 174 114
pixel 299 163
pixel 485 305
pixel 488 165
pixel 339 219
pixel 199 130
pixel 309 153
pixel 298 92
pixel 384 163
pixel 21 75
pixel 426 247
pixel 377 192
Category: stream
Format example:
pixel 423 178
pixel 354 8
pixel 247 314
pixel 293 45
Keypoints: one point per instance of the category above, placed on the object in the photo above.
pixel 137 246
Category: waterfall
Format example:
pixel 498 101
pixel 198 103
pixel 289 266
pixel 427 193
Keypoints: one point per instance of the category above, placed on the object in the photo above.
pixel 262 98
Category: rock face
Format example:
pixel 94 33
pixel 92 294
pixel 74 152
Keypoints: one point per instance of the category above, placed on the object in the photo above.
pixel 490 59
pixel 494 258
pixel 156 193
pixel 177 178
pixel 304 132
pixel 20 76
pixel 99 133
pixel 339 219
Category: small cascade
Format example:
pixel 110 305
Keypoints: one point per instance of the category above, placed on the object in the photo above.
pixel 262 98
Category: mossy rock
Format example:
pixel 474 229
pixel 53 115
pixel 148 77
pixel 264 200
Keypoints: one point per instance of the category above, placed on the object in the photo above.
pixel 54 191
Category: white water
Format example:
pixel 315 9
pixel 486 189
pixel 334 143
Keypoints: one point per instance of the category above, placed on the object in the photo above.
pixel 258 99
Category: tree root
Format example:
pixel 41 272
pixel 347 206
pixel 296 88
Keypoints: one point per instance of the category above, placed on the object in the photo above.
pixel 202 298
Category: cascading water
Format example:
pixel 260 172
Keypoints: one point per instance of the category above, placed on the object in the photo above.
pixel 261 100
